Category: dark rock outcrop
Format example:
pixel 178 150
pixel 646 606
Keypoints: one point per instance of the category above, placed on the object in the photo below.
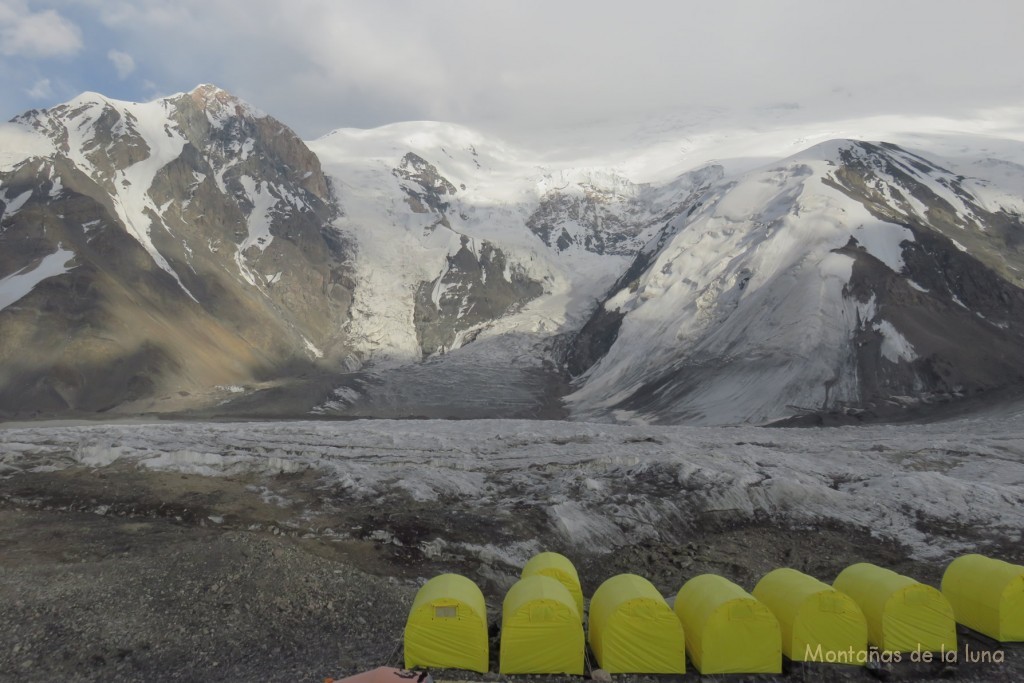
pixel 475 288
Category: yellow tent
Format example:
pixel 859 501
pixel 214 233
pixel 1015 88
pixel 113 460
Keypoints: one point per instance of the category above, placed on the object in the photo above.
pixel 541 631
pixel 987 595
pixel 727 630
pixel 902 614
pixel 447 626
pixel 633 630
pixel 557 567
pixel 819 624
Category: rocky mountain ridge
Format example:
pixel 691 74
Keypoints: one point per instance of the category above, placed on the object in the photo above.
pixel 192 253
pixel 202 253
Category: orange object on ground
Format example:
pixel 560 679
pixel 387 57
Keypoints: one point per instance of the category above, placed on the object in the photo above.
pixel 385 674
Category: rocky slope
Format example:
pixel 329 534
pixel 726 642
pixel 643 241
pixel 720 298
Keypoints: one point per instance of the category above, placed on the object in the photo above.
pixel 196 243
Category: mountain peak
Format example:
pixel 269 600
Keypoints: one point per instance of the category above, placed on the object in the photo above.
pixel 216 100
pixel 206 91
pixel 88 98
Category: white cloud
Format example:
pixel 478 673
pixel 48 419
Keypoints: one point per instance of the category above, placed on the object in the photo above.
pixel 25 33
pixel 40 90
pixel 123 62
pixel 519 66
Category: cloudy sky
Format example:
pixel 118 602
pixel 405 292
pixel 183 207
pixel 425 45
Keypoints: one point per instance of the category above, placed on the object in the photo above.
pixel 518 65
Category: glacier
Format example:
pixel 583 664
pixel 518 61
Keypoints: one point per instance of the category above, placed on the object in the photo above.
pixel 914 485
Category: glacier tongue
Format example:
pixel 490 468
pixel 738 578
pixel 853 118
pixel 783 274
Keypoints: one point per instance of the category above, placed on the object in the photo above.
pixel 418 196
pixel 408 235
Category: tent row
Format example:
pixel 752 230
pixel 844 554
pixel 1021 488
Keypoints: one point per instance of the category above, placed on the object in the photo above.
pixel 633 629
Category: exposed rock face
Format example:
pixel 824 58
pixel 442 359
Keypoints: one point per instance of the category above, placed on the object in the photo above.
pixel 960 308
pixel 902 187
pixel 477 284
pixel 425 186
pixel 475 288
pixel 202 254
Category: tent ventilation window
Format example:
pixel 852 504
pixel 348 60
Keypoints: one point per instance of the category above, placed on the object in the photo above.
pixel 741 611
pixel 831 605
pixel 446 612
pixel 642 610
pixel 541 613
pixel 915 598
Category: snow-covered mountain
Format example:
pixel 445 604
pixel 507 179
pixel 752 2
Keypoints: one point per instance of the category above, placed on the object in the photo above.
pixel 455 231
pixel 193 253
pixel 460 265
pixel 836 280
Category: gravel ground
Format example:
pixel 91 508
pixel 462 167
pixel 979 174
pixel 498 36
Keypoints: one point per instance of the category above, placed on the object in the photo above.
pixel 123 574
pixel 92 598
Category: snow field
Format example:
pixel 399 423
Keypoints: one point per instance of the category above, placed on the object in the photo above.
pixel 15 286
